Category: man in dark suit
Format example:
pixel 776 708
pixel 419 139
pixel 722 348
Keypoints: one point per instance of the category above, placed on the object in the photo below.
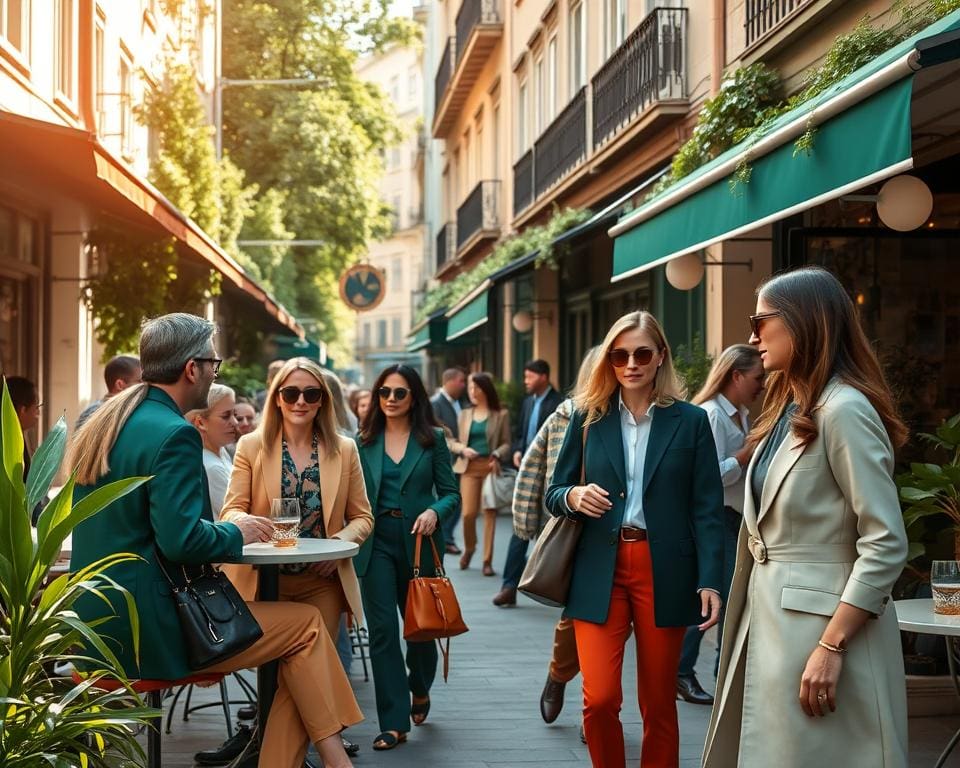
pixel 447 405
pixel 541 400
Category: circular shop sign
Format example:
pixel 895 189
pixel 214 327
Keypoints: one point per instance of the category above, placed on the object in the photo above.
pixel 362 287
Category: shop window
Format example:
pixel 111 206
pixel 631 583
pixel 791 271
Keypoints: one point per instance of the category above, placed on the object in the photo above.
pixel 19 278
pixel 15 26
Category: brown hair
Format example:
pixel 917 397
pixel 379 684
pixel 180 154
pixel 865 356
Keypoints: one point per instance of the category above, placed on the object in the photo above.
pixel 485 382
pixel 738 357
pixel 828 341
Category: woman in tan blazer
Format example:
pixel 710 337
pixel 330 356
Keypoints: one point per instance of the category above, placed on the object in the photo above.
pixel 811 670
pixel 482 442
pixel 296 452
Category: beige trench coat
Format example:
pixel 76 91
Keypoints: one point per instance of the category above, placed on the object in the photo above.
pixel 829 529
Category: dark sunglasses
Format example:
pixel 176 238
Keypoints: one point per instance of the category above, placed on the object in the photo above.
pixel 311 395
pixel 399 393
pixel 756 320
pixel 619 358
pixel 214 361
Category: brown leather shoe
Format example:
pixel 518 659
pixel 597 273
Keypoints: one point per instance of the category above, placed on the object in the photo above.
pixel 551 700
pixel 506 597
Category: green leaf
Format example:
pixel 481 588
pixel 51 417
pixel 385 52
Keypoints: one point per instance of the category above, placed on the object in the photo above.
pixel 916 494
pixel 46 463
pixel 11 442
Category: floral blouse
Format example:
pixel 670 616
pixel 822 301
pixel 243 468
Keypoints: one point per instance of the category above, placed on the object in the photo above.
pixel 306 487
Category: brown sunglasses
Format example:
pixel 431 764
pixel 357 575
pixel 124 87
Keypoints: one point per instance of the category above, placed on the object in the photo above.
pixel 756 320
pixel 619 357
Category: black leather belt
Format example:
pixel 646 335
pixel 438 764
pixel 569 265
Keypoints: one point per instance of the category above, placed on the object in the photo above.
pixel 633 534
pixel 392 512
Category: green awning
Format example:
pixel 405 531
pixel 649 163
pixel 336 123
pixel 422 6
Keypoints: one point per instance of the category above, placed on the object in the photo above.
pixel 430 332
pixel 862 135
pixel 468 315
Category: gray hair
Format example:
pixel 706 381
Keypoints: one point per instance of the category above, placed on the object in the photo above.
pixel 216 393
pixel 169 342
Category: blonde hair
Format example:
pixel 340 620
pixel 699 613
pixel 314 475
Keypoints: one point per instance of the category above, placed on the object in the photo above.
pixel 738 357
pixel 324 423
pixel 594 397
pixel 89 450
pixel 216 393
pixel 586 368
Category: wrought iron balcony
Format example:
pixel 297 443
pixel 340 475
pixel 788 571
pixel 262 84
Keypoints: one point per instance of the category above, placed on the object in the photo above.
pixel 649 67
pixel 444 72
pixel 479 214
pixel 523 182
pixel 763 16
pixel 562 145
pixel 446 238
pixel 473 14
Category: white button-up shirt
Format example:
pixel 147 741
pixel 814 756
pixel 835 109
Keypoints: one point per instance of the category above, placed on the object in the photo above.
pixel 636 436
pixel 730 426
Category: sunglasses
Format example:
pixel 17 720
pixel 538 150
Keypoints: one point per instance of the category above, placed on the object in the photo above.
pixel 214 361
pixel 399 393
pixel 620 358
pixel 756 320
pixel 311 395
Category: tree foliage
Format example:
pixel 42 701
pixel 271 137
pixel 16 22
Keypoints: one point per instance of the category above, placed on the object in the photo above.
pixel 312 150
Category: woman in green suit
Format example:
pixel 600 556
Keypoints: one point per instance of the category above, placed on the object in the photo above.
pixel 411 487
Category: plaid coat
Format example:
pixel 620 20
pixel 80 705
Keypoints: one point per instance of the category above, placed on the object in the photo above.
pixel 536 471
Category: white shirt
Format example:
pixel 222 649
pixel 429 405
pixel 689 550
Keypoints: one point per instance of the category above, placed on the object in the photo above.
pixel 636 436
pixel 730 426
pixel 457 408
pixel 218 469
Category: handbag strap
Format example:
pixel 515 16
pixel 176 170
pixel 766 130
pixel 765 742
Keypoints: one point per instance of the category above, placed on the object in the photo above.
pixel 437 562
pixel 445 652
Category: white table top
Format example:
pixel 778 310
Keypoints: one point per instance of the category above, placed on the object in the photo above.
pixel 306 551
pixel 917 616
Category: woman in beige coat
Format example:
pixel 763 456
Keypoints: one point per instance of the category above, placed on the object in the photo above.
pixel 296 452
pixel 811 671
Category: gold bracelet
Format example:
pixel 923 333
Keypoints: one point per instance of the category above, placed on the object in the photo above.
pixel 832 648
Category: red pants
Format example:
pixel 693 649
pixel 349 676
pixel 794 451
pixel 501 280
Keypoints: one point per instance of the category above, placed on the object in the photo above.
pixel 600 648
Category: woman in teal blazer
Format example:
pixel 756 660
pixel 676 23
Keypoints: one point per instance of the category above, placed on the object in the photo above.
pixel 412 489
pixel 649 556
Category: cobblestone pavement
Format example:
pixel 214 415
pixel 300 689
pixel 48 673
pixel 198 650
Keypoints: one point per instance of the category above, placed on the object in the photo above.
pixel 487 715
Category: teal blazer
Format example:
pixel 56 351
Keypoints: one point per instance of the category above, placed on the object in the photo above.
pixel 170 513
pixel 426 482
pixel 682 504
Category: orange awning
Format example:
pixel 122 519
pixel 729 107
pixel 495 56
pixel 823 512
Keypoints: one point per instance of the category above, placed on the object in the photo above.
pixel 73 163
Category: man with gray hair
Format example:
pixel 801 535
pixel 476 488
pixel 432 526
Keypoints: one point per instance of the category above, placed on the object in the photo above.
pixel 141 432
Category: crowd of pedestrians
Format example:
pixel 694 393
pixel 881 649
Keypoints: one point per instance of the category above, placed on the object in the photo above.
pixel 786 532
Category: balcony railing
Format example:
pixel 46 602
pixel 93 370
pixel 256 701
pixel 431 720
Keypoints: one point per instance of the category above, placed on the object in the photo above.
pixel 480 212
pixel 523 182
pixel 649 67
pixel 445 240
pixel 472 13
pixel 444 72
pixel 562 145
pixel 763 16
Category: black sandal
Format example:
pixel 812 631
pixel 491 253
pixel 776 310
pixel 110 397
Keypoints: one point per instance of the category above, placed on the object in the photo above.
pixel 419 712
pixel 387 740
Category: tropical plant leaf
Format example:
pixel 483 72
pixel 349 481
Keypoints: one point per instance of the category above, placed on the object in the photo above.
pixel 11 441
pixel 46 463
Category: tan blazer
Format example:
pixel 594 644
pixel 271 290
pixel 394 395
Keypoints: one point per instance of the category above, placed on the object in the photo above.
pixel 498 437
pixel 828 529
pixel 346 510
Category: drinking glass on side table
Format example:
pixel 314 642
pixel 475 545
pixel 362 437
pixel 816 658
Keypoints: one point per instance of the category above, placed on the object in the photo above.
pixel 285 516
pixel 268 558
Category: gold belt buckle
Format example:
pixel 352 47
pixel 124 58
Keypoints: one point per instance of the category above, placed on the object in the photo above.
pixel 758 549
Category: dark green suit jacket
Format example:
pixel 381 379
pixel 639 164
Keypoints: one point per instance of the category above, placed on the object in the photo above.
pixel 427 482
pixel 170 513
pixel 682 505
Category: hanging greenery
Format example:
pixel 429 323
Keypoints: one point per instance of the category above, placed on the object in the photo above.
pixel 539 239
pixel 166 285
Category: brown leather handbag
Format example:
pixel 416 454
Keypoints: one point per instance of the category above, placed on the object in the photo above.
pixel 546 577
pixel 432 611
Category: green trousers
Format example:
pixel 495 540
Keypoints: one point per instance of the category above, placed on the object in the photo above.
pixel 384 592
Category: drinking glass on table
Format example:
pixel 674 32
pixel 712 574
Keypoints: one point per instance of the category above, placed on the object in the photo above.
pixel 945 583
pixel 285 516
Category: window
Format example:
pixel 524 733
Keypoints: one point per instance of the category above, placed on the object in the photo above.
pixel 15 25
pixel 478 146
pixel 551 105
pixel 496 136
pixel 614 26
pixel 366 334
pixel 578 48
pixel 396 275
pixel 523 108
pixel 467 158
pixel 397 333
pixel 412 83
pixel 396 159
pixel 395 89
pixel 381 333
pixel 98 53
pixel 539 97
pixel 126 104
pixel 66 49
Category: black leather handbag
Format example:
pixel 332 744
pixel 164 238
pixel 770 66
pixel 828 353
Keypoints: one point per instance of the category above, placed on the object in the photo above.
pixel 214 619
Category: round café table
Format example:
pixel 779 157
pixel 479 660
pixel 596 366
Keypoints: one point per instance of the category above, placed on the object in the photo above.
pixel 268 559
pixel 917 616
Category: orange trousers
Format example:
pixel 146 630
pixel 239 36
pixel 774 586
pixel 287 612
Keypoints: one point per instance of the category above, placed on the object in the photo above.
pixel 600 648
pixel 471 494
pixel 314 699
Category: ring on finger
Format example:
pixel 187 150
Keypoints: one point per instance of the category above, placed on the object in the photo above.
pixel 822 696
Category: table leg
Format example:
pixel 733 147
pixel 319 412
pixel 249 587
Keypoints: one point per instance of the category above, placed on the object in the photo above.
pixel 952 666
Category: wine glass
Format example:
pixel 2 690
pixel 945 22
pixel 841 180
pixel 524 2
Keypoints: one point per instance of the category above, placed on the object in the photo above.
pixel 285 516
pixel 945 584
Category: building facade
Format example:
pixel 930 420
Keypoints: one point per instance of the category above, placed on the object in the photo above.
pixel 74 158
pixel 381 332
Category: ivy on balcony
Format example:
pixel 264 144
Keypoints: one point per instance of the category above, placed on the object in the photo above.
pixel 539 239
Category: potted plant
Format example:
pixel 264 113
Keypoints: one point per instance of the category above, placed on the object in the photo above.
pixel 49 720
